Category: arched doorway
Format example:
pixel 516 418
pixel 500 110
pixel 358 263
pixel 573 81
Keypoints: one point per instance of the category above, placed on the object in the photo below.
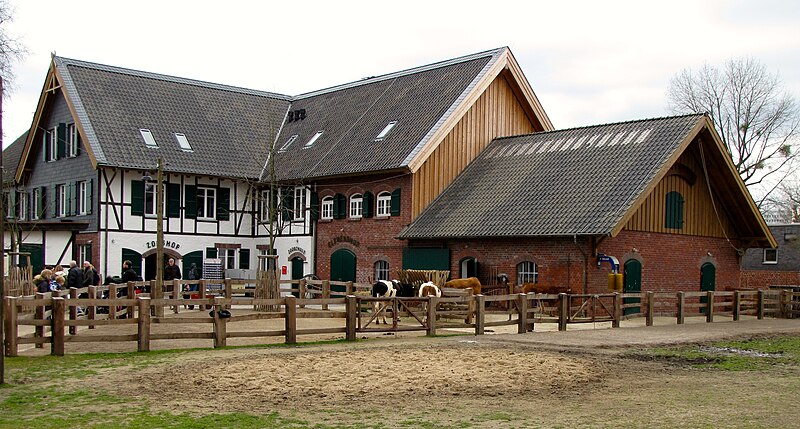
pixel 708 281
pixel 195 258
pixel 150 262
pixel 343 268
pixel 297 270
pixel 469 267
pixel 632 278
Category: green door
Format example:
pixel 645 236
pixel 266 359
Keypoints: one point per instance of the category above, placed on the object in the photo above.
pixel 190 258
pixel 135 258
pixel 297 271
pixel 708 280
pixel 343 268
pixel 632 284
pixel 37 256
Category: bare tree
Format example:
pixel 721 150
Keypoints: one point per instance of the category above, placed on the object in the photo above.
pixel 757 120
pixel 783 206
pixel 11 49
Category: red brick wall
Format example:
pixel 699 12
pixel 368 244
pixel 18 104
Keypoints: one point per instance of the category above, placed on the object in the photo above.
pixel 375 236
pixel 752 279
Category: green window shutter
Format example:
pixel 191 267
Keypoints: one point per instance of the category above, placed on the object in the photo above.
pixel 137 197
pixel 673 208
pixel 62 141
pixel 78 145
pixel 69 198
pixel 40 202
pixel 54 201
pixel 190 202
pixel 89 195
pixel 287 204
pixel 339 206
pixel 135 258
pixel 314 206
pixel 46 142
pixel 244 259
pixel 395 204
pixel 211 252
pixel 9 198
pixel 224 204
pixel 366 204
pixel 173 200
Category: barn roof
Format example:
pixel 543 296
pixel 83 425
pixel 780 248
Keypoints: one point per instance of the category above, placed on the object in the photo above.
pixel 580 181
pixel 11 157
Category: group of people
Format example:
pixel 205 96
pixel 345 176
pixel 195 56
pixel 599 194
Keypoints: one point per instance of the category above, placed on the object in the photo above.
pixel 57 278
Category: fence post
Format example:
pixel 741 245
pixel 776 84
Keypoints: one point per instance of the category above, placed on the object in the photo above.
pixel 737 302
pixel 433 302
pixel 522 316
pixel 351 308
pixel 785 303
pixel 39 311
pixel 130 293
pixel 326 292
pixel 11 325
pixel 57 333
pixel 681 307
pixel 143 323
pixel 710 307
pixel 176 294
pixel 563 311
pixel 480 313
pixel 290 304
pixel 617 310
pixel 301 291
pixel 229 291
pixel 220 324
pixel 73 310
pixel 91 310
pixel 760 304
pixel 650 308
pixel 349 288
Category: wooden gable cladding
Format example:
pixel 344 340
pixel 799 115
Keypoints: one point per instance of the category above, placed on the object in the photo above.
pixel 687 177
pixel 496 113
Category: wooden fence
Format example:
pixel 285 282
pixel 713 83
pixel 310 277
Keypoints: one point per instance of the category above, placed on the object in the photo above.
pixel 57 317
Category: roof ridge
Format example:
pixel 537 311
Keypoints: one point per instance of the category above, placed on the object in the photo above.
pixel 632 121
pixel 405 72
pixel 169 78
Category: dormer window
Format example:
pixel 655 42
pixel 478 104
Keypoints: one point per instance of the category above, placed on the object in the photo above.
pixel 183 142
pixel 288 143
pixel 313 139
pixel 149 140
pixel 382 135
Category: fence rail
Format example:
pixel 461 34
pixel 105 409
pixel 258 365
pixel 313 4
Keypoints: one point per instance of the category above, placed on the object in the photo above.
pixel 62 317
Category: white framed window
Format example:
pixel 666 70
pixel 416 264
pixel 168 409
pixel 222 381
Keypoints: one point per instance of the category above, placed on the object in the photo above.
pixel 148 138
pixel 313 139
pixel 527 272
pixel 36 203
pixel 265 199
pixel 72 140
pixel 22 205
pixel 9 204
pixel 382 135
pixel 381 270
pixel 770 257
pixel 61 200
pixel 384 205
pixel 206 203
pixel 228 257
pixel 183 142
pixel 356 206
pixel 51 140
pixel 299 203
pixel 84 253
pixel 288 143
pixel 327 208
pixel 150 199
pixel 83 198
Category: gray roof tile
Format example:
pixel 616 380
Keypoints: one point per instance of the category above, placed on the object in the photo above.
pixel 11 157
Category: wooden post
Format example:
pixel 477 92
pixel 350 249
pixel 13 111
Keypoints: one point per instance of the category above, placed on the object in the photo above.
pixel 480 313
pixel 651 304
pixel 301 291
pixel 349 287
pixel 10 315
pixel 351 308
pixel 326 292
pixel 228 291
pixel 710 307
pixel 73 310
pixel 617 310
pixel 433 302
pixel 91 310
pixel 737 304
pixel 220 324
pixel 157 295
pixel 785 304
pixel 760 304
pixel 130 294
pixel 112 294
pixel 681 307
pixel 143 323
pixel 291 319
pixel 176 294
pixel 522 313
pixel 39 311
pixel 57 344
pixel 563 311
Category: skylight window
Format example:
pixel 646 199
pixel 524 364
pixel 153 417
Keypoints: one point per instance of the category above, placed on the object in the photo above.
pixel 183 142
pixel 288 142
pixel 313 139
pixel 385 131
pixel 149 140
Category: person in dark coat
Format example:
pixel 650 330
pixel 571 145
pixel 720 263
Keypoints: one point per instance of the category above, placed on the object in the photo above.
pixel 74 275
pixel 128 273
pixel 90 275
pixel 171 271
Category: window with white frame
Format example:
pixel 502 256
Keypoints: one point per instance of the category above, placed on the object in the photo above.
pixel 327 208
pixel 381 270
pixel 22 205
pixel 83 198
pixel 51 140
pixel 36 203
pixel 61 200
pixel 84 253
pixel 384 205
pixel 299 203
pixel 228 257
pixel 356 206
pixel 770 256
pixel 72 140
pixel 9 204
pixel 206 203
pixel 150 198
pixel 527 273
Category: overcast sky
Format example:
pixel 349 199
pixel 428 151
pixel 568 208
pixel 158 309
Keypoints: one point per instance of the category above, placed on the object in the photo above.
pixel 589 62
